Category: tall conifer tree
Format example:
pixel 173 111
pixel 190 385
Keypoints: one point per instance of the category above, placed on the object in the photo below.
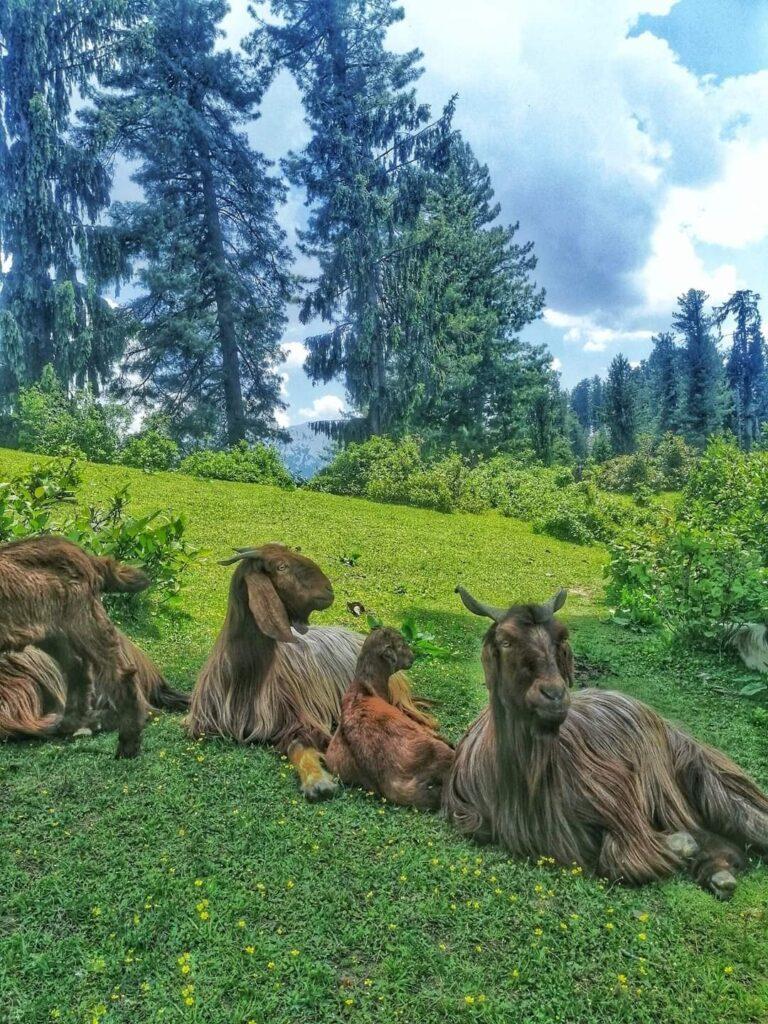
pixel 365 172
pixel 702 367
pixel 57 255
pixel 214 280
pixel 620 411
pixel 745 366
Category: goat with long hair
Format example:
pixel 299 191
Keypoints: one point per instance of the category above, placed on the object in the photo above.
pixel 594 777
pixel 272 678
pixel 379 746
pixel 33 693
pixel 50 599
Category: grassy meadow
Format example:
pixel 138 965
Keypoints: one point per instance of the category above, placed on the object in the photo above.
pixel 195 885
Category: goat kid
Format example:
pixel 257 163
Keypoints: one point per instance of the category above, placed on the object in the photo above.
pixel 379 746
pixel 50 592
pixel 272 678
pixel 596 777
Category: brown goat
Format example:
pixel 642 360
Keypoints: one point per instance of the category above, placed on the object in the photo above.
pixel 596 777
pixel 379 746
pixel 50 599
pixel 266 682
pixel 33 693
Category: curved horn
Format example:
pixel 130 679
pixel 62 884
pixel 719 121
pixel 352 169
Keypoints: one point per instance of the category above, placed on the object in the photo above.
pixel 478 608
pixel 546 611
pixel 241 554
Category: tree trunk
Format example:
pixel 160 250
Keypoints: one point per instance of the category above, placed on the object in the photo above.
pixel 225 314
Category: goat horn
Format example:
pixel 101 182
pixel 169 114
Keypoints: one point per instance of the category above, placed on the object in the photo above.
pixel 478 608
pixel 241 554
pixel 546 611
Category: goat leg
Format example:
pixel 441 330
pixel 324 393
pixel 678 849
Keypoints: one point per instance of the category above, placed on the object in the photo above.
pixel 316 783
pixel 77 682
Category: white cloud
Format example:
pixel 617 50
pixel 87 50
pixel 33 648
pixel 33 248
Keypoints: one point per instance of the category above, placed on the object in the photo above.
pixel 284 380
pixel 324 407
pixel 556 364
pixel 295 353
pixel 592 336
pixel 282 418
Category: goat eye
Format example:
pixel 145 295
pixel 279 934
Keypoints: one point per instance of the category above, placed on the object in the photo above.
pixel 283 567
pixel 505 643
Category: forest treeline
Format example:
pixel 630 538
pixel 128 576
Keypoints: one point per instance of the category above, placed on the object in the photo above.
pixel 419 291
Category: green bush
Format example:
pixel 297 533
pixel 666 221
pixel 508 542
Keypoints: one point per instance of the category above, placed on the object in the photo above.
pixel 656 466
pixel 397 471
pixel 152 449
pixel 701 570
pixel 43 501
pixel 49 421
pixel 253 464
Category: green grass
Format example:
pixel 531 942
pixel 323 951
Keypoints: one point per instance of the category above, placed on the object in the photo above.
pixel 124 882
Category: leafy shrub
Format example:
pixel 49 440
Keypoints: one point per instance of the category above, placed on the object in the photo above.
pixel 656 466
pixel 396 471
pixel 253 464
pixel 349 471
pixel 42 501
pixel 154 541
pixel 151 449
pixel 51 422
pixel 703 569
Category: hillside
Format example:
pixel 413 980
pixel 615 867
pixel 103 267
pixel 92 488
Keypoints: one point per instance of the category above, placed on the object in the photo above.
pixel 126 882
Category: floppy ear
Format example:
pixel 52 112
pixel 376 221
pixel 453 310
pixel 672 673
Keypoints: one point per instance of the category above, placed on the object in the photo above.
pixel 565 663
pixel 267 609
pixel 490 659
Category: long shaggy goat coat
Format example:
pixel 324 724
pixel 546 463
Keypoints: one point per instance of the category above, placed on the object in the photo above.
pixel 602 792
pixel 303 681
pixel 33 692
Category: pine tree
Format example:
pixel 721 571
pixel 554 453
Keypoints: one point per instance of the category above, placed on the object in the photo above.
pixel 364 172
pixel 702 368
pixel 745 367
pixel 213 279
pixel 58 255
pixel 452 308
pixel 665 384
pixel 581 404
pixel 620 412
pixel 596 403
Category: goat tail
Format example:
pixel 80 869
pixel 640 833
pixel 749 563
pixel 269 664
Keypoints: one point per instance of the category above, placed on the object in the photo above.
pixel 118 578
pixel 167 698
pixel 32 694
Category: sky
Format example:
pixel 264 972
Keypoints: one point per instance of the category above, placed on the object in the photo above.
pixel 629 139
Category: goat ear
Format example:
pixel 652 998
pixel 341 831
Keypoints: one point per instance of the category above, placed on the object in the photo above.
pixel 490 660
pixel 565 663
pixel 267 609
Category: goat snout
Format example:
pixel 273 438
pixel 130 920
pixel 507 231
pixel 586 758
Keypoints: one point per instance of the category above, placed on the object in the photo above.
pixel 549 699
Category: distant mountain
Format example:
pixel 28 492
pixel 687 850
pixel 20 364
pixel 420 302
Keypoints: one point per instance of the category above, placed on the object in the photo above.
pixel 306 452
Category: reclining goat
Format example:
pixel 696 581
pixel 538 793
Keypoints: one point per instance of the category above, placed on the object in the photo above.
pixel 33 693
pixel 380 746
pixel 596 777
pixel 272 678
pixel 50 592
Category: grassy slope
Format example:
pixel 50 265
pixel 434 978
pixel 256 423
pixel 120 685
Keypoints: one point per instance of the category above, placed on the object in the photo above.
pixel 353 910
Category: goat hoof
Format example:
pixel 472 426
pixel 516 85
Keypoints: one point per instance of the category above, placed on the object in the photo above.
pixel 127 748
pixel 722 884
pixel 683 845
pixel 322 788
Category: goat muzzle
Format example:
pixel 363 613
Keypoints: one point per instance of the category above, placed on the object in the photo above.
pixel 549 700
